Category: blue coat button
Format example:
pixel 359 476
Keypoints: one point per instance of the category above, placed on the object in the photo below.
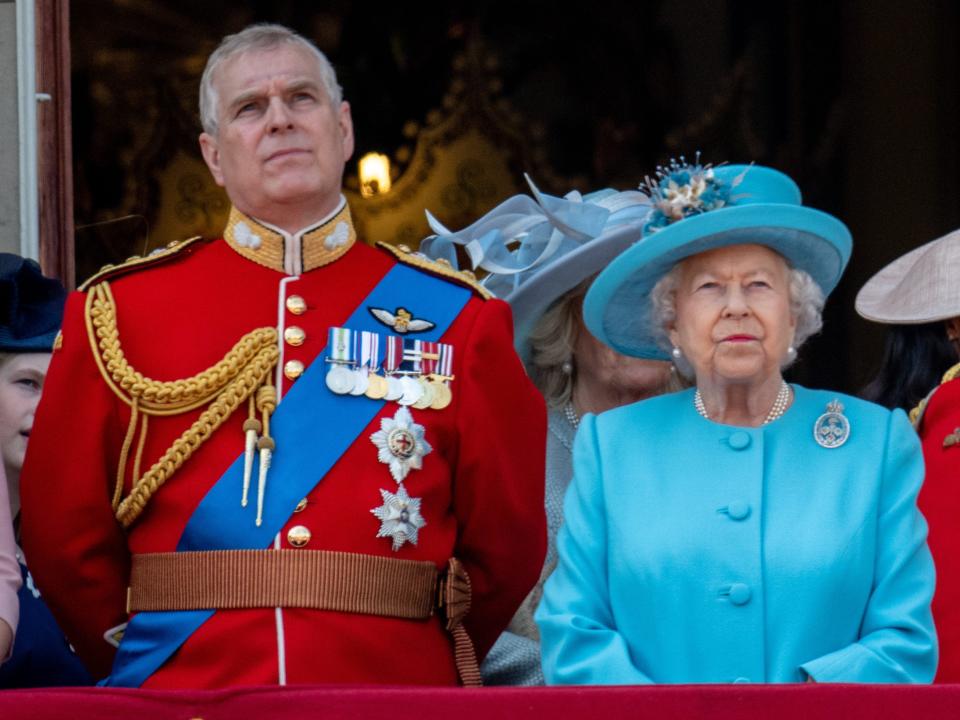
pixel 739 440
pixel 741 680
pixel 739 594
pixel 738 510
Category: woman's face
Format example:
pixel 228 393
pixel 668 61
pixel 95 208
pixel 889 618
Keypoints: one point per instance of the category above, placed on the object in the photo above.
pixel 733 320
pixel 21 381
pixel 630 377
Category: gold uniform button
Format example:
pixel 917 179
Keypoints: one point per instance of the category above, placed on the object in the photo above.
pixel 298 536
pixel 293 369
pixel 296 304
pixel 294 335
pixel 301 506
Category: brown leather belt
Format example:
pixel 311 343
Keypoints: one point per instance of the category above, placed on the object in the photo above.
pixel 316 579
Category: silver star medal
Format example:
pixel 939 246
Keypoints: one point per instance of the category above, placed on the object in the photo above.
pixel 400 517
pixel 401 444
pixel 832 429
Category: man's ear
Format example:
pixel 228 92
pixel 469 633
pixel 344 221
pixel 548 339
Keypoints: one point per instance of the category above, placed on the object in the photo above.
pixel 345 121
pixel 211 155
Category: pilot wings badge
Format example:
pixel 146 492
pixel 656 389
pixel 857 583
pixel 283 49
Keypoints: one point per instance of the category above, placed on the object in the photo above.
pixel 401 321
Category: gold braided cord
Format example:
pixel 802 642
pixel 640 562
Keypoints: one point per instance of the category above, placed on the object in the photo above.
pixel 243 375
pixel 234 395
pixel 951 374
pixel 917 412
pixel 138 458
pixel 157 397
pixel 124 454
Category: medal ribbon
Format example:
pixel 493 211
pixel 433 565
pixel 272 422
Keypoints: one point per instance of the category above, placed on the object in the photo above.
pixel 411 356
pixel 446 359
pixel 394 353
pixel 428 359
pixel 313 427
pixel 371 351
pixel 340 344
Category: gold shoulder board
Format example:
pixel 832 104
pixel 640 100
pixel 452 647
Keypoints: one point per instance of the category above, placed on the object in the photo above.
pixel 436 267
pixel 136 262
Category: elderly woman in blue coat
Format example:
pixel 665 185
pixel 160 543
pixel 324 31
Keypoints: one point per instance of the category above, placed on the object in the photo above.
pixel 760 531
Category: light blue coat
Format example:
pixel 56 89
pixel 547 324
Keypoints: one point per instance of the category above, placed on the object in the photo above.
pixel 697 552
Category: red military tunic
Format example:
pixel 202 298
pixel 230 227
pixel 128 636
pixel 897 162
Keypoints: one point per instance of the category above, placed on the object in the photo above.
pixel 939 501
pixel 481 486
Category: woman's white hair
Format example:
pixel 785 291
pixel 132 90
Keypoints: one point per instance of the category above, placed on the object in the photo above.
pixel 264 36
pixel 806 306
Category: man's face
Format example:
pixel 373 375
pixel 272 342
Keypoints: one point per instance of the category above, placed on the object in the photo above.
pixel 280 146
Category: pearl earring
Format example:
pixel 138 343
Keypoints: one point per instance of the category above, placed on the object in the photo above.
pixel 567 367
pixel 791 353
pixel 676 353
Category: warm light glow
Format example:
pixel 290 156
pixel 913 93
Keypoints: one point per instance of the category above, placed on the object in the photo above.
pixel 374 174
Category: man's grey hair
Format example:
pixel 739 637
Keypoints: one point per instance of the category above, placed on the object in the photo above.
pixel 252 39
pixel 806 306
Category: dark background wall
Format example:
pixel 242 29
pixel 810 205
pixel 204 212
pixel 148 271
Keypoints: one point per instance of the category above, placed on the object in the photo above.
pixel 856 100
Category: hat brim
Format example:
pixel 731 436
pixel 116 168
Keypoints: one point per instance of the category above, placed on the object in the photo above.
pixel 535 296
pixel 918 287
pixel 617 309
pixel 35 344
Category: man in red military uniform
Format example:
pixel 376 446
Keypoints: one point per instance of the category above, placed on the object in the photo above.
pixel 194 404
pixel 938 424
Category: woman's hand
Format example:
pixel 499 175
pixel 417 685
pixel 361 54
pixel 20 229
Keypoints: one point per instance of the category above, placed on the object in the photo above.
pixel 6 638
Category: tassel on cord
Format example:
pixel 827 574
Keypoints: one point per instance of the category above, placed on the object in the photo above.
pixel 252 428
pixel 266 403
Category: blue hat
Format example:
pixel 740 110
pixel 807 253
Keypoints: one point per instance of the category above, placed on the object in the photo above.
pixel 698 208
pixel 536 249
pixel 31 306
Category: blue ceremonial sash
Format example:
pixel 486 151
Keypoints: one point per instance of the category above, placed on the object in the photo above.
pixel 307 447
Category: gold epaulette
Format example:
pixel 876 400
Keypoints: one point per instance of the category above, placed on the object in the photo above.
pixel 244 375
pixel 108 272
pixel 917 413
pixel 436 267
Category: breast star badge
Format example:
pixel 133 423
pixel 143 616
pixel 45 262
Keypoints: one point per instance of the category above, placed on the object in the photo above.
pixel 400 517
pixel 401 321
pixel 401 444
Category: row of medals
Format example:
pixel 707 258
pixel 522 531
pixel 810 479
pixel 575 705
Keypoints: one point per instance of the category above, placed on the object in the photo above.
pixel 412 389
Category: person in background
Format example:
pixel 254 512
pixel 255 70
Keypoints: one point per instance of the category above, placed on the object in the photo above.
pixel 9 577
pixel 32 308
pixel 917 297
pixel 761 532
pixel 546 253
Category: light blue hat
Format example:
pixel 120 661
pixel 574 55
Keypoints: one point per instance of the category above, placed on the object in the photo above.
pixel 698 208
pixel 536 249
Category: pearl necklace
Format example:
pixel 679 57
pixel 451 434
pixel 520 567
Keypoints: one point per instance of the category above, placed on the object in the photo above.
pixel 572 416
pixel 778 409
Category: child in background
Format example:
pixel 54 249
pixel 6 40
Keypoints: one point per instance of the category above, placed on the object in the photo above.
pixel 9 575
pixel 31 310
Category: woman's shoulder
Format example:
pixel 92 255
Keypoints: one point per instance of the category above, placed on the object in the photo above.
pixel 851 404
pixel 867 417
pixel 660 409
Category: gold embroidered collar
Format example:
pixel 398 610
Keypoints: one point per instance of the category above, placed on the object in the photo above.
pixel 294 254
